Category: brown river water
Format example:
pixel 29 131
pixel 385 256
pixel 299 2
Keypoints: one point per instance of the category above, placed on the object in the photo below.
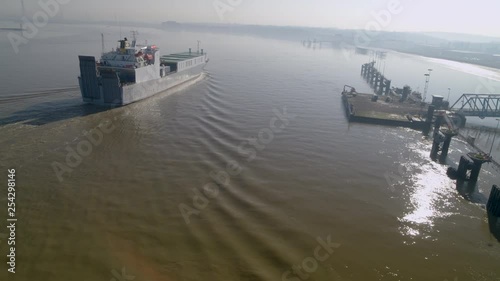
pixel 250 172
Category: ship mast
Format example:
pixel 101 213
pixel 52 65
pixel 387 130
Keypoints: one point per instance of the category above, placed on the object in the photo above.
pixel 23 12
pixel 102 42
pixel 134 37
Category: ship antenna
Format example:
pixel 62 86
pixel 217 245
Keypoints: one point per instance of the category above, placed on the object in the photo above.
pixel 134 37
pixel 23 14
pixel 102 41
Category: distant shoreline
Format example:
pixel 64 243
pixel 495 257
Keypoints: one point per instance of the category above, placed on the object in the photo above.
pixel 492 68
pixel 11 29
pixel 345 36
pixel 291 33
pixel 484 64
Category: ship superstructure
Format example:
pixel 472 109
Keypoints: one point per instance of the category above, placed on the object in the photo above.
pixel 132 72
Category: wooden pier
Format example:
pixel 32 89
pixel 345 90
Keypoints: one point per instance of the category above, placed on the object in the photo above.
pixel 380 84
pixel 493 205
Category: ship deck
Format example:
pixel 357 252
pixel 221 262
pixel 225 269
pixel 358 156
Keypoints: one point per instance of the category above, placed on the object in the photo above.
pixel 364 106
pixel 181 56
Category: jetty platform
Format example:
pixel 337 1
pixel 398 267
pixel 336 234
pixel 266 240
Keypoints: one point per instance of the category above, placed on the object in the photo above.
pixel 374 109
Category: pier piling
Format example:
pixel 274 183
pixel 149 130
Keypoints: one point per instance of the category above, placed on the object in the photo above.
pixel 373 77
pixel 379 83
pixel 436 144
pixel 476 169
pixel 387 87
pixel 464 166
pixel 441 139
pixel 428 120
pixel 472 162
pixel 494 223
pixel 493 205
pixel 446 146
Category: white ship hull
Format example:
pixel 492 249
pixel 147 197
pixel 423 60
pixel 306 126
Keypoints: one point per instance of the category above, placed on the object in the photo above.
pixel 137 92
pixel 117 95
pixel 131 74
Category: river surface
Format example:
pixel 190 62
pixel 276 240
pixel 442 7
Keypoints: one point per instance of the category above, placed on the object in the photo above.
pixel 250 172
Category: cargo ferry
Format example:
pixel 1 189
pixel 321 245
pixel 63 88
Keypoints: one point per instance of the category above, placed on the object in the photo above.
pixel 132 72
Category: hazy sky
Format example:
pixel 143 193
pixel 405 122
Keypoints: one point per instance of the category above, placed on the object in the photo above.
pixel 475 17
